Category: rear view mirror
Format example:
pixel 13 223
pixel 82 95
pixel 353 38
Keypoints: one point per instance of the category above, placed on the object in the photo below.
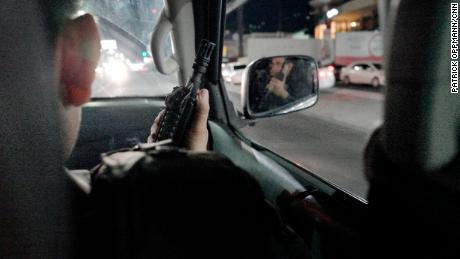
pixel 278 85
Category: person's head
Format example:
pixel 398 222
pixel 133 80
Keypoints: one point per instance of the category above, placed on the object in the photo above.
pixel 76 54
pixel 278 64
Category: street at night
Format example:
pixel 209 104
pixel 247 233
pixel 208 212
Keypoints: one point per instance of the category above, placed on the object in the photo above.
pixel 145 83
pixel 327 139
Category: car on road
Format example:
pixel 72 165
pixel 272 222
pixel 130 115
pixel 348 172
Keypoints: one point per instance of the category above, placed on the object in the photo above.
pixel 233 72
pixel 326 77
pixel 370 73
pixel 227 72
pixel 237 76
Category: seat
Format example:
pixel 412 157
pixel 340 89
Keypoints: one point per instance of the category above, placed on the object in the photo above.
pixel 413 161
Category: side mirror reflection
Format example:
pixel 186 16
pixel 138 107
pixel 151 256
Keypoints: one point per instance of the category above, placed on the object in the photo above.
pixel 279 85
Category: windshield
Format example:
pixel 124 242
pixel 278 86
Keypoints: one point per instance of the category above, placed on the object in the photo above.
pixel 126 66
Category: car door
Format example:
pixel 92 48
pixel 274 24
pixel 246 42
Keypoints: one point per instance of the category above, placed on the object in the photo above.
pixel 356 73
pixel 372 73
pixel 412 194
pixel 365 73
pixel 274 171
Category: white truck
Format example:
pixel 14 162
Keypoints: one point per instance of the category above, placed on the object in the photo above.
pixel 358 46
pixel 347 47
pixel 263 47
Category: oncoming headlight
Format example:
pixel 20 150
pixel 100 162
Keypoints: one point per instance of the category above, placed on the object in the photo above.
pixel 116 70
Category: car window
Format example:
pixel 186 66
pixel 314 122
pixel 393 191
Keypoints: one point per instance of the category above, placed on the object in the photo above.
pixel 327 139
pixel 238 67
pixel 378 66
pixel 126 67
pixel 361 67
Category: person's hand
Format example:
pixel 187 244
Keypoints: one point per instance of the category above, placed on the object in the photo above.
pixel 197 137
pixel 154 129
pixel 278 88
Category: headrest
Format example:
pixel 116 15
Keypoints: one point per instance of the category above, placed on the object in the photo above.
pixel 422 121
pixel 381 171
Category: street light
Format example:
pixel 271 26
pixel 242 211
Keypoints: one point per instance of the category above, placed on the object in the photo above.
pixel 331 13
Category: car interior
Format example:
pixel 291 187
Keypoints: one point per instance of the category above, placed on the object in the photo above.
pixel 411 162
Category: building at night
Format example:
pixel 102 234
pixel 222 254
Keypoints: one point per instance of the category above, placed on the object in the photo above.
pixel 345 16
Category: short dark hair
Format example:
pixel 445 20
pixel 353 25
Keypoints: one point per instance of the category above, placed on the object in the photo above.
pixel 56 12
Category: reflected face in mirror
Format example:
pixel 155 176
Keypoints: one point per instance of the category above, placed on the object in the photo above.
pixel 280 81
pixel 276 65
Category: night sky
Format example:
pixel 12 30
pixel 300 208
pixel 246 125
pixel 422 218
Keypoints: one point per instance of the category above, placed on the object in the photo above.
pixel 262 16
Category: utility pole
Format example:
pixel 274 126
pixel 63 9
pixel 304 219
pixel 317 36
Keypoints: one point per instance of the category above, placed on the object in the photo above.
pixel 382 8
pixel 238 5
pixel 240 23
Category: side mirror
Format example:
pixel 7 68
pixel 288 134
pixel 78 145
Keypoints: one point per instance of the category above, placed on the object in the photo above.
pixel 279 85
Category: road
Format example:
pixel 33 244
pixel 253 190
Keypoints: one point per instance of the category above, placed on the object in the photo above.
pixel 327 139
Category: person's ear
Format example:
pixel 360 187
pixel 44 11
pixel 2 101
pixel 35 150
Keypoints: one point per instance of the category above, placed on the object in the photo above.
pixel 79 51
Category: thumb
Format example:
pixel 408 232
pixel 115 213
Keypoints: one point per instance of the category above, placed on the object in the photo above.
pixel 201 111
pixel 197 139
